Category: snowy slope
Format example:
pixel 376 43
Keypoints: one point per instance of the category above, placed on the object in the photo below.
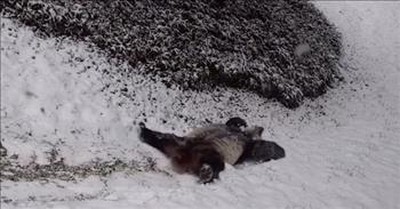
pixel 342 148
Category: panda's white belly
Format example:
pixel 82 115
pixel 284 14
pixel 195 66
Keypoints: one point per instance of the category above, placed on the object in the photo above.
pixel 230 147
pixel 229 144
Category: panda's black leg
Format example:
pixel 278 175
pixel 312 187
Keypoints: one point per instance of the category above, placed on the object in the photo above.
pixel 212 164
pixel 246 155
pixel 206 174
pixel 157 139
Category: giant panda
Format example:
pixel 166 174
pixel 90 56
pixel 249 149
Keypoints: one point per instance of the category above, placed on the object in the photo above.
pixel 205 150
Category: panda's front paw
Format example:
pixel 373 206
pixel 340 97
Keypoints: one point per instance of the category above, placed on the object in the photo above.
pixel 142 125
pixel 144 132
pixel 206 174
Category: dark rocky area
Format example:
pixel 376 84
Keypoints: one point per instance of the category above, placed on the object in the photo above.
pixel 283 49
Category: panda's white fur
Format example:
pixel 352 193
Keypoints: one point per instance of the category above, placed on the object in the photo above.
pixel 229 143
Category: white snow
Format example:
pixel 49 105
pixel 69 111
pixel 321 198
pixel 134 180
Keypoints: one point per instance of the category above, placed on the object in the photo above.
pixel 342 149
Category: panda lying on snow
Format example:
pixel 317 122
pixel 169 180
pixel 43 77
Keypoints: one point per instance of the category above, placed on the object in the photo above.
pixel 204 151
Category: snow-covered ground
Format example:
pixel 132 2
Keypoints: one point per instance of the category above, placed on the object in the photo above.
pixel 343 148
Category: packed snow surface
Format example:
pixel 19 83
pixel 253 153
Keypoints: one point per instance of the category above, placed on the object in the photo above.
pixel 342 148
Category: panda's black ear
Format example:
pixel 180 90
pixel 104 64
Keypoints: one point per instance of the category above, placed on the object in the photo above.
pixel 236 123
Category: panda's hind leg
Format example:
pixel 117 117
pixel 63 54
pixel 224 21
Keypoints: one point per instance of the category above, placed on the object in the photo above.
pixel 211 163
pixel 206 173
pixel 164 142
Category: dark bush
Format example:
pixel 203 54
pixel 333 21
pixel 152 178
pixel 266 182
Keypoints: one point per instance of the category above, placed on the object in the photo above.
pixel 284 49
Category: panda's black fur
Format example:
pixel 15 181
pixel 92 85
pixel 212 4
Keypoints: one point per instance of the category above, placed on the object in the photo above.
pixel 204 151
